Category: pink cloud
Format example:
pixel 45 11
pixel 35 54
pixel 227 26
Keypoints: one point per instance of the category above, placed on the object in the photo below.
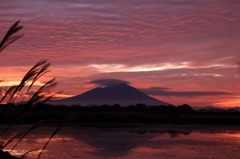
pixel 73 35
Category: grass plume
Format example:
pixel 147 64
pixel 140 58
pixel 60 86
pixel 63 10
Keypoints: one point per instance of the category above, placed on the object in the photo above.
pixel 12 94
pixel 11 35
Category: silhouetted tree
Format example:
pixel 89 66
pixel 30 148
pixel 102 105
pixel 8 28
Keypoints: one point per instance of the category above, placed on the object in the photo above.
pixel 185 108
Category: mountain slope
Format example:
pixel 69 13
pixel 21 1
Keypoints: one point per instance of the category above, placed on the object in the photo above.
pixel 121 94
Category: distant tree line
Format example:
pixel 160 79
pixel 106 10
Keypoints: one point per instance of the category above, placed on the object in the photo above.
pixel 140 113
pixel 181 109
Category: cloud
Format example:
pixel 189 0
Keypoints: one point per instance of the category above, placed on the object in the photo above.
pixel 139 68
pixel 108 82
pixel 171 43
pixel 14 83
pixel 162 91
pixel 128 32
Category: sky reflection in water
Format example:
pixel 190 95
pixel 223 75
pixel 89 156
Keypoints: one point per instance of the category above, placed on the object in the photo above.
pixel 134 143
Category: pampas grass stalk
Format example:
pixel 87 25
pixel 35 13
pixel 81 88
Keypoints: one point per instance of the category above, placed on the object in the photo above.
pixel 11 36
pixel 11 94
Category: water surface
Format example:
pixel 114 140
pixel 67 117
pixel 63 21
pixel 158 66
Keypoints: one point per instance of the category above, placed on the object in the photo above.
pixel 135 142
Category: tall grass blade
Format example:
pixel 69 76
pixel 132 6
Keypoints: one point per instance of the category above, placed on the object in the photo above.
pixel 26 132
pixel 11 94
pixel 10 36
pixel 42 92
pixel 50 138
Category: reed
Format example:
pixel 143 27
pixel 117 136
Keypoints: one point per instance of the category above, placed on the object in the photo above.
pixel 11 36
pixel 12 94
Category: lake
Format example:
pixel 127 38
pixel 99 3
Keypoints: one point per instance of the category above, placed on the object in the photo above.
pixel 134 141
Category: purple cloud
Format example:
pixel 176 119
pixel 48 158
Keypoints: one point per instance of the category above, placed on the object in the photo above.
pixel 108 82
pixel 159 91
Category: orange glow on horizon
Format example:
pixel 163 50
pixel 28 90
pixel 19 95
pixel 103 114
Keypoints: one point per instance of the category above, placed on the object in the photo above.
pixel 14 83
pixel 229 102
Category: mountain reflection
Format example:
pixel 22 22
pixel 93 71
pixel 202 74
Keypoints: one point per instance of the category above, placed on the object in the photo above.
pixel 101 141
pixel 118 142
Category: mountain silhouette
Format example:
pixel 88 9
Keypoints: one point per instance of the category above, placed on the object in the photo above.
pixel 121 94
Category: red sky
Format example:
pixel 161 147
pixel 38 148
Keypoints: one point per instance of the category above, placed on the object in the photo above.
pixel 179 51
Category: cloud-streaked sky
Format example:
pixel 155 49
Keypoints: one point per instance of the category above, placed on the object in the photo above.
pixel 187 46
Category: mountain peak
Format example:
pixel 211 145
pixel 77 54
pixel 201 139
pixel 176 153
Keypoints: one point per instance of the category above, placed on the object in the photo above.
pixel 122 94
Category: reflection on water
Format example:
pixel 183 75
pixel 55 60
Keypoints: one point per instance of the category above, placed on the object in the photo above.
pixel 142 141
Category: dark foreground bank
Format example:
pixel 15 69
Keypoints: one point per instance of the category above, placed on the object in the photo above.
pixel 140 113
